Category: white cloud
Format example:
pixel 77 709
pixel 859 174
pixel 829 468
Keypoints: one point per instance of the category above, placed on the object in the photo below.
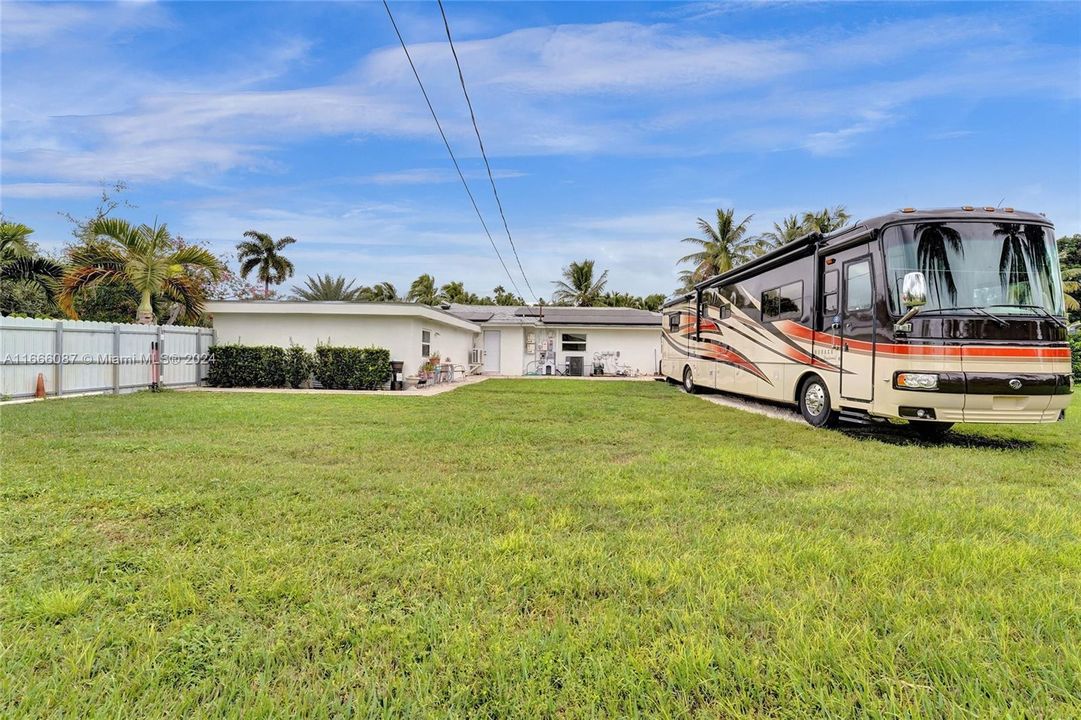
pixel 47 190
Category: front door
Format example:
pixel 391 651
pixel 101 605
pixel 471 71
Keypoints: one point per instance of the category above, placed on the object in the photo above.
pixel 491 351
pixel 853 323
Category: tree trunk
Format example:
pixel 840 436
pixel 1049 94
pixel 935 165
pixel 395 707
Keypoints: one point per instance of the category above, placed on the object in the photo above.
pixel 266 289
pixel 145 314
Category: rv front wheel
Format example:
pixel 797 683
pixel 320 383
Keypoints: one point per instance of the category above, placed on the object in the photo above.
pixel 814 403
pixel 688 381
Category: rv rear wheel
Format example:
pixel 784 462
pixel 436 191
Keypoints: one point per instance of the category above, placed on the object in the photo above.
pixel 815 404
pixel 688 381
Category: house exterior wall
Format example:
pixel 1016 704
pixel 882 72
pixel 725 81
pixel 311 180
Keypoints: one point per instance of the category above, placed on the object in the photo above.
pixel 401 335
pixel 639 347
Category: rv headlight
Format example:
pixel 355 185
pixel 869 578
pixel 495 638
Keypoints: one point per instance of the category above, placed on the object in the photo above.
pixel 916 381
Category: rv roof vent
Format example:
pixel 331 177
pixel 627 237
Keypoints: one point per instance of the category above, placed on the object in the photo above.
pixel 968 208
pixel 1008 209
pixel 908 210
pixel 988 208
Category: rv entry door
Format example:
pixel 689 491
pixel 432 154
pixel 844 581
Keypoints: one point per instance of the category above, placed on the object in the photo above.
pixel 853 322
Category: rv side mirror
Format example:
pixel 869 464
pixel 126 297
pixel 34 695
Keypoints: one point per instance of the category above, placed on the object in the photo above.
pixel 914 290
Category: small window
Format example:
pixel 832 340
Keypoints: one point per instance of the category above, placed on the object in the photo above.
pixel 829 293
pixel 425 343
pixel 785 301
pixel 858 291
pixel 673 322
pixel 573 342
pixel 725 312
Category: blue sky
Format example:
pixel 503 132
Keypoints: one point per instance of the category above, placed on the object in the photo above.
pixel 610 126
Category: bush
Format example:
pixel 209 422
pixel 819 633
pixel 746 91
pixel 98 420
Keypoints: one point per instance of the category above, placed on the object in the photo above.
pixel 246 366
pixel 1075 349
pixel 351 368
pixel 298 366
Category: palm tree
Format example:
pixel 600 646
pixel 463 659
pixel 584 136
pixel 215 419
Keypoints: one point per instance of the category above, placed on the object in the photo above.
pixel 789 229
pixel 653 302
pixel 1071 288
pixel 825 220
pixel 323 288
pixel 263 252
pixel 423 290
pixel 19 264
pixel 723 247
pixel 934 246
pixel 380 292
pixel 578 286
pixel 144 258
pixel 455 292
pixel 621 299
pixel 505 298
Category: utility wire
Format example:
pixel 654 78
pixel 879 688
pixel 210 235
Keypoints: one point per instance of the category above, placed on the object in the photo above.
pixel 451 152
pixel 483 154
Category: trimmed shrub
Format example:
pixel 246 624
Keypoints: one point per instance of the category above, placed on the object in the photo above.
pixel 1075 349
pixel 351 368
pixel 298 366
pixel 246 366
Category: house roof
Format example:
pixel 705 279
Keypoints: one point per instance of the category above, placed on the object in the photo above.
pixel 548 315
pixel 371 309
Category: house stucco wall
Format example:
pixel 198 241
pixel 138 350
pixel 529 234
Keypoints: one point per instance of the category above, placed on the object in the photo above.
pixel 639 347
pixel 399 334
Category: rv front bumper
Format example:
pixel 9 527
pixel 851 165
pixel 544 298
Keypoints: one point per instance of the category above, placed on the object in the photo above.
pixel 978 397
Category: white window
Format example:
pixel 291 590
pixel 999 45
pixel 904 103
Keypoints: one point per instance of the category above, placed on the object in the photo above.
pixel 425 343
pixel 574 342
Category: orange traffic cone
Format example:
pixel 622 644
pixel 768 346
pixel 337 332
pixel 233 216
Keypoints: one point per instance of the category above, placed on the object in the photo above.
pixel 39 390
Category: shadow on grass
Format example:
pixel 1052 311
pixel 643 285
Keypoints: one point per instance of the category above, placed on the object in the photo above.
pixel 901 435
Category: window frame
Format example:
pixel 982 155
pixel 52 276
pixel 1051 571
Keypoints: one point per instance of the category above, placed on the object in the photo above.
pixel 426 353
pixel 563 342
pixel 797 313
pixel 835 293
pixel 864 259
pixel 673 322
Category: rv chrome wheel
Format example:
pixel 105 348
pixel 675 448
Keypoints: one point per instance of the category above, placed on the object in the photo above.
pixel 815 404
pixel 814 397
pixel 688 380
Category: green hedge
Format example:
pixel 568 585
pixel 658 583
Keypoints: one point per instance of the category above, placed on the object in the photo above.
pixel 1075 347
pixel 246 366
pixel 350 368
pixel 298 366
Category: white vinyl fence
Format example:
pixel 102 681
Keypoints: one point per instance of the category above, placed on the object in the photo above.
pixel 88 357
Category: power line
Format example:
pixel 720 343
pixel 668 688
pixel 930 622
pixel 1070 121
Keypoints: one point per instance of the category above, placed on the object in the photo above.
pixel 483 154
pixel 451 152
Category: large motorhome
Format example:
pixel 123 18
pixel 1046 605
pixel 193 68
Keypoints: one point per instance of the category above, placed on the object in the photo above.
pixel 934 317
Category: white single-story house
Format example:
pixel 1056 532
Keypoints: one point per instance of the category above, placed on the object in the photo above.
pixel 410 331
pixel 499 340
pixel 530 340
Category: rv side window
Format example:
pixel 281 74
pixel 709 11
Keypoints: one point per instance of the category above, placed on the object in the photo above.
pixel 785 301
pixel 829 292
pixel 725 312
pixel 858 294
pixel 673 322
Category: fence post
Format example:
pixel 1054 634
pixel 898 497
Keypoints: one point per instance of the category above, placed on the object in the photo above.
pixel 161 352
pixel 58 351
pixel 116 359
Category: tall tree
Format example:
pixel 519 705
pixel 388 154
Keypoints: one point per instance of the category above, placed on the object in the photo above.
pixel 144 258
pixel 506 298
pixel 455 292
pixel 790 228
pixel 826 220
pixel 578 286
pixel 380 292
pixel 653 302
pixel 424 291
pixel 324 288
pixel 722 247
pixel 621 299
pixel 29 281
pixel 263 254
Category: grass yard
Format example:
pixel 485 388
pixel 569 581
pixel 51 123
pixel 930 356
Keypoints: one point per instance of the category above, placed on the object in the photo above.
pixel 529 549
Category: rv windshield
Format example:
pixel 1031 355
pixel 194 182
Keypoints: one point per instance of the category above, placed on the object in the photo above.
pixel 1006 268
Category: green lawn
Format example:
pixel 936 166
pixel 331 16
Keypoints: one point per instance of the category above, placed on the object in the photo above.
pixel 529 549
